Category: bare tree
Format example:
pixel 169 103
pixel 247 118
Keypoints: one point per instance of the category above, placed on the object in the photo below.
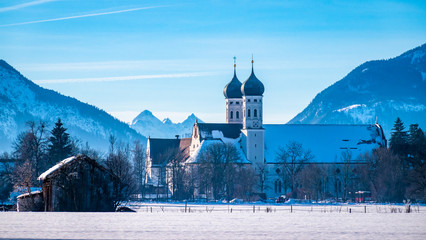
pixel 31 151
pixel 347 170
pixel 118 163
pixel 218 166
pixel 312 179
pixel 174 173
pixel 6 169
pixel 292 158
pixel 247 179
pixel 139 166
pixel 384 172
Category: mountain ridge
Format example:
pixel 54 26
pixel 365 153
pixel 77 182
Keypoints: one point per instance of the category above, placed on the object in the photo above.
pixel 149 125
pixel 22 100
pixel 385 89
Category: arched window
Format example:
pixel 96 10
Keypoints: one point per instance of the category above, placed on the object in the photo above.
pixel 340 187
pixel 232 114
pixel 255 113
pixel 248 113
pixel 278 186
pixel 238 115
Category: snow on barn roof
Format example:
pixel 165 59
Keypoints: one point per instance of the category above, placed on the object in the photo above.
pixel 51 170
pixel 326 141
pixel 29 194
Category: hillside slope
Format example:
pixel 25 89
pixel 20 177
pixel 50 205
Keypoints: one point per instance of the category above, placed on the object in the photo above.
pixel 385 89
pixel 21 101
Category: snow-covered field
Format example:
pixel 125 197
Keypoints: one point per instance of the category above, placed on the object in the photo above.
pixel 169 221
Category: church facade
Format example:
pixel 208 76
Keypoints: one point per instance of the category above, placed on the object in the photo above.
pixel 258 144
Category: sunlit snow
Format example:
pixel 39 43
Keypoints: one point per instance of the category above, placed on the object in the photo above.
pixel 217 222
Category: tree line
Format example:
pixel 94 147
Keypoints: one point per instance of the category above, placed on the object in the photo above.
pixel 390 174
pixel 37 149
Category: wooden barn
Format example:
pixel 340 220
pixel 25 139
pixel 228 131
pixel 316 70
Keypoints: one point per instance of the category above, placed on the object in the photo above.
pixel 78 184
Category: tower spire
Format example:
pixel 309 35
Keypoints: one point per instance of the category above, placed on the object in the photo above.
pixel 235 65
pixel 252 61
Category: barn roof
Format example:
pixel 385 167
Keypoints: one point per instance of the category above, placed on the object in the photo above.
pixel 51 171
pixel 326 141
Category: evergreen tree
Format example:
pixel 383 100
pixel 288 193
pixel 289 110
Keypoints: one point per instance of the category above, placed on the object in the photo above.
pixel 60 145
pixel 399 140
pixel 417 161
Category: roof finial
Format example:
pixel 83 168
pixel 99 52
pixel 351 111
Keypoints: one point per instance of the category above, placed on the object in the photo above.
pixel 235 64
pixel 252 61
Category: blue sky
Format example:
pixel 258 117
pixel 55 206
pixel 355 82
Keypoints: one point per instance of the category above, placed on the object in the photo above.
pixel 175 57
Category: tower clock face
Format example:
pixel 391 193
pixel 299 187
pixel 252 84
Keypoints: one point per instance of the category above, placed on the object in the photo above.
pixel 255 124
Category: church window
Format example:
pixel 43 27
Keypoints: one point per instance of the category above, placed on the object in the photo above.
pixel 237 115
pixel 255 100
pixel 230 102
pixel 278 186
pixel 255 113
pixel 248 100
pixel 340 187
pixel 232 114
pixel 237 102
pixel 255 145
pixel 248 113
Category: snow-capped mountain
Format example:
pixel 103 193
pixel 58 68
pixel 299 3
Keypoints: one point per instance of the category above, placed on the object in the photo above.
pixel 21 101
pixel 150 126
pixel 385 89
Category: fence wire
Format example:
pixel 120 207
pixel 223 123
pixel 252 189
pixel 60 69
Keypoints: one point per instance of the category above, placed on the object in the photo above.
pixel 240 208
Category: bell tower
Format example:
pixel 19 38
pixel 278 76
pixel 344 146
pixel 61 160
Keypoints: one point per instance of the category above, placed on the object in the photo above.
pixel 253 134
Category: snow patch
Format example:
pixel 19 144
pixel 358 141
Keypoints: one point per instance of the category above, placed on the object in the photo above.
pixel 365 69
pixel 409 107
pixel 423 76
pixel 417 56
pixel 346 109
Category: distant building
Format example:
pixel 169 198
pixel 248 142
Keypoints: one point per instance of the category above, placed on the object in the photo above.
pixel 259 143
pixel 78 184
pixel 159 153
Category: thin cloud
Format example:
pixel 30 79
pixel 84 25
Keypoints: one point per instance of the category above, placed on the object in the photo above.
pixel 81 16
pixel 124 78
pixel 24 5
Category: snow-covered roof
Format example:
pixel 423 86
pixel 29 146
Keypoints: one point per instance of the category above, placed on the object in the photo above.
pixel 206 143
pixel 28 194
pixel 326 141
pixel 51 170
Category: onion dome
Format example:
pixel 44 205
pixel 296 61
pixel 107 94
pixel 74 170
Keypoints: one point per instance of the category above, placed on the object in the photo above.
pixel 233 88
pixel 252 86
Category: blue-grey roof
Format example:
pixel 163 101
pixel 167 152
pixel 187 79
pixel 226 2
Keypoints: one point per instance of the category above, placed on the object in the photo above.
pixel 229 130
pixel 327 142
